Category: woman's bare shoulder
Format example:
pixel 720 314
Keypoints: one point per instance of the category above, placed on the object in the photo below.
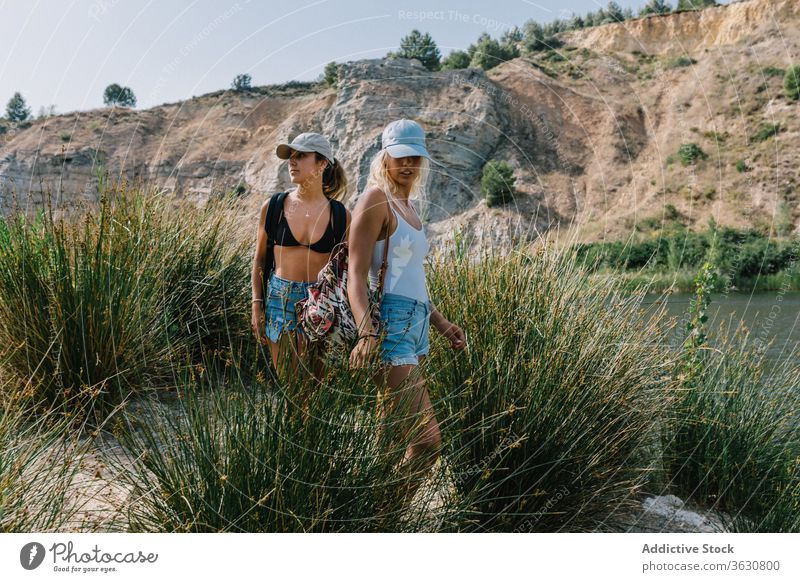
pixel 262 214
pixel 371 200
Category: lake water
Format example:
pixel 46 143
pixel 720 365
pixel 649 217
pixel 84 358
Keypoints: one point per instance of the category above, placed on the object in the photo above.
pixel 770 316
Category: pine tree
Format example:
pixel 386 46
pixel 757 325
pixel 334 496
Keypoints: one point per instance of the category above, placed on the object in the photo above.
pixel 509 43
pixel 421 47
pixel 655 7
pixel 539 38
pixel 576 22
pixel 694 4
pixel 241 82
pixel 117 95
pixel 614 13
pixel 17 109
pixel 487 53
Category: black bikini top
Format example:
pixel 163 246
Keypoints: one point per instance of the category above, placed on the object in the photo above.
pixel 281 234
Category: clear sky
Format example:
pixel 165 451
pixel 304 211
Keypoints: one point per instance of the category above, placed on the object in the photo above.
pixel 65 52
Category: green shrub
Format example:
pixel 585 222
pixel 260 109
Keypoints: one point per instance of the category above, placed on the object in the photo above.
pixel 773 71
pixel 679 62
pixel 331 74
pixel 670 212
pixel 456 60
pixel 784 219
pixel 690 153
pixel 791 82
pixel 497 182
pixel 742 167
pixel 740 254
pixel 766 131
pixel 650 223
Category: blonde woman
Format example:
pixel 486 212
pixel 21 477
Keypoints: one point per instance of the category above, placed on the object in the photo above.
pixel 307 222
pixel 398 173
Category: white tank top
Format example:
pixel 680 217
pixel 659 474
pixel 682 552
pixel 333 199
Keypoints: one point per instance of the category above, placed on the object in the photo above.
pixel 405 262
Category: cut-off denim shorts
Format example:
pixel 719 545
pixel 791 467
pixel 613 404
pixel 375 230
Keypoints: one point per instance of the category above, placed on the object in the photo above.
pixel 406 324
pixel 281 316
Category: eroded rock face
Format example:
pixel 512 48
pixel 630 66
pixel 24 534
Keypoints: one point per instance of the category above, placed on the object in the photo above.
pixel 689 32
pixel 589 134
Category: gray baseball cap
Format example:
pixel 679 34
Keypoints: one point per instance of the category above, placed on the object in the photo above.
pixel 404 138
pixel 306 142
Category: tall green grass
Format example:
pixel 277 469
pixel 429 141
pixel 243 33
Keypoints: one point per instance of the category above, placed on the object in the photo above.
pixel 566 406
pixel 103 301
pixel 249 458
pixel 556 396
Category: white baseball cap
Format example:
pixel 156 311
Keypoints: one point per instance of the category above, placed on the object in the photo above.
pixel 306 142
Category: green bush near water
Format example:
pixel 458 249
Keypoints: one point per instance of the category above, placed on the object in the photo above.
pixel 730 440
pixel 742 254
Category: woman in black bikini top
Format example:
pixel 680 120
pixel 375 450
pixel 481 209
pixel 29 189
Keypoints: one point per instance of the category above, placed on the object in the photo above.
pixel 310 221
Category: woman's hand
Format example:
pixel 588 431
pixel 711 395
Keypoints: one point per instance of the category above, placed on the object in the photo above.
pixel 454 334
pixel 362 353
pixel 257 321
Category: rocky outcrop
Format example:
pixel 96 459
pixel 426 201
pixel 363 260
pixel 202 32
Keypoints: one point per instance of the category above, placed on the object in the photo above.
pixel 690 32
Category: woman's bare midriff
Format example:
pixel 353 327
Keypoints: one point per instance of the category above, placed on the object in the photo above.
pixel 298 263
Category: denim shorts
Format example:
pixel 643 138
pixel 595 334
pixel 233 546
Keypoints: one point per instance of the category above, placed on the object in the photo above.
pixel 282 294
pixel 407 324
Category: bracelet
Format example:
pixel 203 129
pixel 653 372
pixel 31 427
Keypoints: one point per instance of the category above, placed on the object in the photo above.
pixel 258 301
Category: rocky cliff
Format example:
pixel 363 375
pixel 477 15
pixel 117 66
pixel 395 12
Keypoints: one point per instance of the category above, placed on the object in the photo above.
pixel 593 131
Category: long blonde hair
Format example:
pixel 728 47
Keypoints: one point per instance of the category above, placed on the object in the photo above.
pixel 379 176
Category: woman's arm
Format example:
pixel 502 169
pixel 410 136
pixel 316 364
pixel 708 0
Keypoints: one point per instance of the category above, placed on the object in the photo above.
pixel 438 321
pixel 257 277
pixel 449 330
pixel 368 223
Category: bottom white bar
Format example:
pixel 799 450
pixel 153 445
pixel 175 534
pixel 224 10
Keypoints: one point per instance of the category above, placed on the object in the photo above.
pixel 355 557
